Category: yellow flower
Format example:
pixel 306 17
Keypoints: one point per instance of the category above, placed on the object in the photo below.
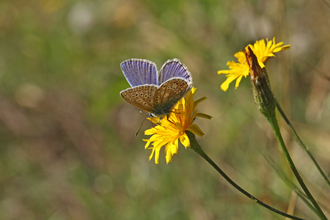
pixel 170 129
pixel 238 70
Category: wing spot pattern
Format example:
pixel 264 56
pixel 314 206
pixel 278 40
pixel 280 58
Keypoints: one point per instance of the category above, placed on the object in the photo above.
pixel 153 98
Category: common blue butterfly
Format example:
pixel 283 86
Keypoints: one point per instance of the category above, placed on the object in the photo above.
pixel 153 92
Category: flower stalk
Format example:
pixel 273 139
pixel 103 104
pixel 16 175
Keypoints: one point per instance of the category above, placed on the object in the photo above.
pixel 197 148
pixel 273 123
pixel 302 144
pixel 266 103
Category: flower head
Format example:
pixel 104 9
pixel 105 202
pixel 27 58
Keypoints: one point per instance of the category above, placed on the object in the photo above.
pixel 238 70
pixel 169 130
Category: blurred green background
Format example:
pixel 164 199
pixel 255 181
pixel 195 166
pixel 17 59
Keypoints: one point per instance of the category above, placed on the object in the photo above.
pixel 67 144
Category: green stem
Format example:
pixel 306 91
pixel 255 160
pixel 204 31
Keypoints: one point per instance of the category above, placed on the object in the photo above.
pixel 290 184
pixel 273 123
pixel 302 144
pixel 197 148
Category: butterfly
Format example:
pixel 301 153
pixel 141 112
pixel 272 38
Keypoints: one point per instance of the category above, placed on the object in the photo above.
pixel 153 92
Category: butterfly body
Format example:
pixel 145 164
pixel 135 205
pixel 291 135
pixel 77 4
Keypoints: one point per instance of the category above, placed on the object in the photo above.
pixel 152 92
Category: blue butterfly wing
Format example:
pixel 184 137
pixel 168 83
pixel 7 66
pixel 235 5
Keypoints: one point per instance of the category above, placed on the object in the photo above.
pixel 174 68
pixel 139 72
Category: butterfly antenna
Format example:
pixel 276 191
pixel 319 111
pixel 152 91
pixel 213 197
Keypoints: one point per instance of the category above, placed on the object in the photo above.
pixel 141 126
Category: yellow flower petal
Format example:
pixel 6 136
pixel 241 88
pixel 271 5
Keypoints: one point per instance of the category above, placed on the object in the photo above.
pixel 156 156
pixel 238 80
pixel 151 155
pixel 185 140
pixel 240 57
pixel 170 129
pixel 170 150
pixel 225 85
pixel 262 50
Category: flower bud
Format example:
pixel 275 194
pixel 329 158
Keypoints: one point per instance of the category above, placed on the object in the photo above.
pixel 263 95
